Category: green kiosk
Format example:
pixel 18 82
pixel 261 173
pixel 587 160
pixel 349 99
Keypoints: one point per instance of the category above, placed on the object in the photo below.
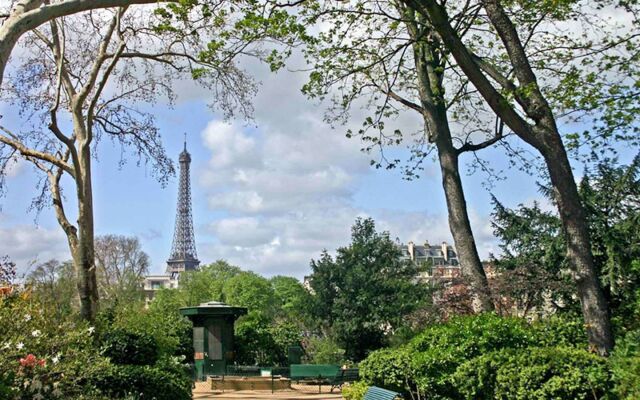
pixel 212 336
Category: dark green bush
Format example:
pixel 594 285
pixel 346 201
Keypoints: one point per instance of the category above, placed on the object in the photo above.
pixel 129 348
pixel 425 365
pixel 533 373
pixel 567 330
pixel 390 369
pixel 163 381
pixel 625 365
pixel 260 342
pixel 440 349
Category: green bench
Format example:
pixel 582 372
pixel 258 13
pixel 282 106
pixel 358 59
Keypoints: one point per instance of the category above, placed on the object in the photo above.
pixel 376 393
pixel 318 372
pixel 343 376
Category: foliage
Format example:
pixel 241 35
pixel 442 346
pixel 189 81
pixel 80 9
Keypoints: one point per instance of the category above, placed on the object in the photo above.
pixel 258 342
pixel 355 390
pixel 250 290
pixel 292 299
pixel 162 321
pixel 48 356
pixel 532 242
pixel 54 284
pixel 166 380
pixel 129 348
pixel 389 368
pixel 533 373
pixel 324 350
pixel 427 362
pixel 206 284
pixel 41 356
pixel 366 291
pixel 625 366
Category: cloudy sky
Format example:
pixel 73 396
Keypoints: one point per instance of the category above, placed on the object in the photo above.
pixel 268 195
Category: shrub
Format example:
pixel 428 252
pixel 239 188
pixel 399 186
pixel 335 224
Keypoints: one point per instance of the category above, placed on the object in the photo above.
pixel 425 365
pixel 533 373
pixel 567 330
pixel 625 366
pixel 440 349
pixel 166 380
pixel 325 351
pixel 355 391
pixel 261 342
pixel 125 347
pixel 390 369
pixel 42 357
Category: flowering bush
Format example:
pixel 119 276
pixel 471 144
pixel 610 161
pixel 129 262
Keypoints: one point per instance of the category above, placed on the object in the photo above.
pixel 40 358
pixel 47 358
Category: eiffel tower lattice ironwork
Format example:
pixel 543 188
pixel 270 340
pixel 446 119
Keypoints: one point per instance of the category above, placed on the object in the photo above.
pixel 183 251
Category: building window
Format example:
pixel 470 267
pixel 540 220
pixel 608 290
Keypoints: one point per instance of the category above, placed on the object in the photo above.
pixel 156 285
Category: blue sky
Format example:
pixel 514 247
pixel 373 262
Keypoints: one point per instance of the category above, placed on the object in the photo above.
pixel 268 195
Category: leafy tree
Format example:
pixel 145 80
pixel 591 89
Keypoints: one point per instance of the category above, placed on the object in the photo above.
pixel 250 290
pixel 382 57
pixel 258 341
pixel 365 292
pixel 293 300
pixel 532 239
pixel 526 57
pixel 86 77
pixel 206 284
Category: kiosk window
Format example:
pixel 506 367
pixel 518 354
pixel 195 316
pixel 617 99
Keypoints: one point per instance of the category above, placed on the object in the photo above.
pixel 215 344
pixel 198 339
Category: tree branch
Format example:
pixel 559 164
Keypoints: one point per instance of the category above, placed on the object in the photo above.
pixel 15 143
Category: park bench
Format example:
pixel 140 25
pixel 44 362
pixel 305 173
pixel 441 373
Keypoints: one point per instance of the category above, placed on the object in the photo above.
pixel 342 376
pixel 376 393
pixel 317 372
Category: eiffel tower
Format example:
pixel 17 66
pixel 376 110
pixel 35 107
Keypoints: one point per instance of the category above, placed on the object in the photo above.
pixel 183 251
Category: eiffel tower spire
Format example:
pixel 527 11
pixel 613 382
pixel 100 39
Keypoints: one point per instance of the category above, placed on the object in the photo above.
pixel 183 251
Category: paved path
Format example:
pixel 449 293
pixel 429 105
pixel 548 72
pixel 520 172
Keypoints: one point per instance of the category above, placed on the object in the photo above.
pixel 299 392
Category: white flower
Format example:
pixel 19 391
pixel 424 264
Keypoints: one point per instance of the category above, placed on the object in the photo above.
pixel 91 330
pixel 35 333
pixel 6 345
pixel 55 359
pixel 27 318
pixel 20 346
pixel 36 385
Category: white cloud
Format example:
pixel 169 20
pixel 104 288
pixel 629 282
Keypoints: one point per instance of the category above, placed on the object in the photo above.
pixel 27 245
pixel 282 190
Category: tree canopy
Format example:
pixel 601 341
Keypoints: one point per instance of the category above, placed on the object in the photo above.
pixel 364 292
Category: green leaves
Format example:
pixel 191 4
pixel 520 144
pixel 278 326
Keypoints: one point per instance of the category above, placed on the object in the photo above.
pixel 366 291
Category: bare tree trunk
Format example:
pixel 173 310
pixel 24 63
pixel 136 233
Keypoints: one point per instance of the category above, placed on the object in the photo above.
pixel 544 136
pixel 594 304
pixel 437 124
pixel 459 222
pixel 84 257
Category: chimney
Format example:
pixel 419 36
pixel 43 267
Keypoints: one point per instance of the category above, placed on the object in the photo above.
pixel 445 251
pixel 410 247
pixel 426 245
